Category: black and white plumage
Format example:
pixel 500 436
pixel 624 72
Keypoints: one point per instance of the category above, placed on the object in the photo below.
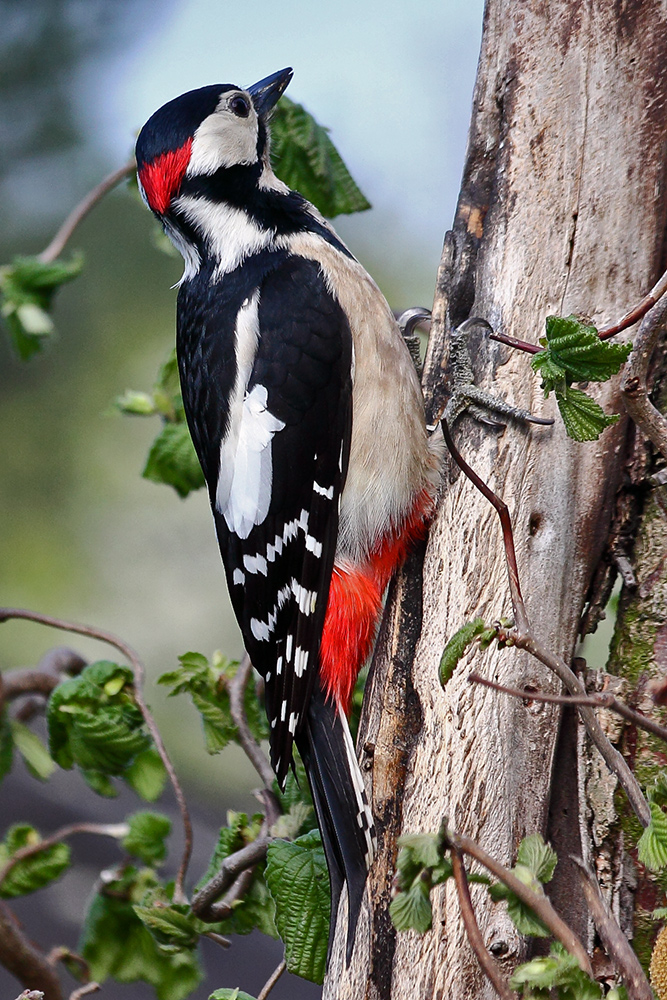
pixel 307 418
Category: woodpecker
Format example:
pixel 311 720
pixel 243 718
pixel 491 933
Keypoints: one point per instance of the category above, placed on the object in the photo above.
pixel 307 417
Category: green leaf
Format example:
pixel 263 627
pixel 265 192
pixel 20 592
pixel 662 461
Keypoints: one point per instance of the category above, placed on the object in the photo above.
pixel 538 857
pixel 584 419
pixel 207 685
pixel 36 756
pixel 297 876
pixel 95 723
pixel 146 774
pixel 33 872
pixel 411 909
pixel 576 350
pixel 137 404
pixel 146 839
pixel 574 353
pixel 173 927
pixel 457 646
pixel 117 945
pixel 522 916
pixel 305 158
pixel 557 971
pixel 230 995
pixel 652 846
pixel 172 460
pixel 27 287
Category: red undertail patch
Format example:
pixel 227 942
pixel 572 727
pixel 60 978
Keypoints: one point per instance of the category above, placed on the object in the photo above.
pixel 355 602
pixel 162 178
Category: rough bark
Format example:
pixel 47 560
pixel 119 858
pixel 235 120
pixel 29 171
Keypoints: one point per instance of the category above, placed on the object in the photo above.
pixel 561 210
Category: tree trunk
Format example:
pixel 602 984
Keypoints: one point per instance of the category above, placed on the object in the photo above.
pixel 561 210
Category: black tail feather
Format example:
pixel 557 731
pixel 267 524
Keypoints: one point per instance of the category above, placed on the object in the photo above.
pixel 343 813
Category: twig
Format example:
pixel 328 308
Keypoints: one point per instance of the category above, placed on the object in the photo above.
pixel 7 614
pixel 520 345
pixel 614 940
pixel 633 385
pixel 638 311
pixel 600 700
pixel 272 980
pixel 115 830
pixel 218 938
pixel 23 960
pixel 518 606
pixel 484 957
pixel 230 869
pixel 253 751
pixel 612 758
pixel 539 904
pixel 522 637
pixel 84 991
pixel 60 240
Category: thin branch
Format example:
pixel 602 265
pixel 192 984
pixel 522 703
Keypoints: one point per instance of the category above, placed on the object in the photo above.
pixel 614 940
pixel 272 980
pixel 633 385
pixel 614 760
pixel 600 700
pixel 6 614
pixel 60 240
pixel 115 830
pixel 230 869
pixel 539 904
pixel 520 345
pixel 638 311
pixel 523 638
pixel 253 750
pixel 83 991
pixel 23 960
pixel 518 606
pixel 488 964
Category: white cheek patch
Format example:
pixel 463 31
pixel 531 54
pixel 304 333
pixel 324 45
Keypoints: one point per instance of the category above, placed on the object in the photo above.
pixel 223 140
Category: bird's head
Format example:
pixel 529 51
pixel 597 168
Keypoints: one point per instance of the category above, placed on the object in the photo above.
pixel 204 132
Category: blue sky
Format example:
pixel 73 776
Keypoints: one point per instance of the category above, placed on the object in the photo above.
pixel 393 82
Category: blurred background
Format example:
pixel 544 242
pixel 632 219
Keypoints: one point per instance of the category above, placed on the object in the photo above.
pixel 83 536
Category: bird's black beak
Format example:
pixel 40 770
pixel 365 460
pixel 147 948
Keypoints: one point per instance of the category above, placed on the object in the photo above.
pixel 266 94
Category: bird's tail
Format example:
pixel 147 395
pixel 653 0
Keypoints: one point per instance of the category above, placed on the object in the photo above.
pixel 343 813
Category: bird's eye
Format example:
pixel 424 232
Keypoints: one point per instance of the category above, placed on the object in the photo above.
pixel 239 106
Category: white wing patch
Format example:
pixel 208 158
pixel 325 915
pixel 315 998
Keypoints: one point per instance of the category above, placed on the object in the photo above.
pixel 252 474
pixel 243 492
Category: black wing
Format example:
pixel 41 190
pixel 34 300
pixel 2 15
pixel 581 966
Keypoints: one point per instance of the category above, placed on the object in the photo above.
pixel 279 570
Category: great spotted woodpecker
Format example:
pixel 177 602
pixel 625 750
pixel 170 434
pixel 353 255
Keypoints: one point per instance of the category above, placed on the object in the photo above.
pixel 307 417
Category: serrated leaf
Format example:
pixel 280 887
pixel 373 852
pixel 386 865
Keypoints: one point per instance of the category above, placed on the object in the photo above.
pixel 172 460
pixel 37 758
pixel 576 348
pixel 173 927
pixel 297 877
pixel 305 158
pixel 538 857
pixel 457 646
pixel 33 872
pixel 424 849
pixel 27 287
pixel 147 835
pixel 411 909
pixel 520 913
pixel 652 846
pixel 95 723
pixel 584 419
pixel 116 944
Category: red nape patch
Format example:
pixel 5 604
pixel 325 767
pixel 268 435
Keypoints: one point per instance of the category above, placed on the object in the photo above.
pixel 355 601
pixel 162 178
